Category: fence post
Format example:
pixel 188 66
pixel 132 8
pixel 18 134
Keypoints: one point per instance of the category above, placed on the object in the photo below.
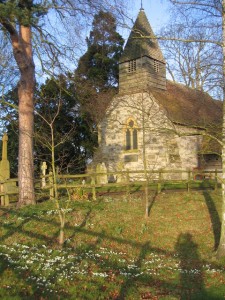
pixel 216 180
pixel 6 195
pixel 93 187
pixel 159 186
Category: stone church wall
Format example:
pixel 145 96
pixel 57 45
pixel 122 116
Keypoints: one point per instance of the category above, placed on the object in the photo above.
pixel 164 149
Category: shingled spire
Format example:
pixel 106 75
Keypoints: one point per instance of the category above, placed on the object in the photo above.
pixel 142 65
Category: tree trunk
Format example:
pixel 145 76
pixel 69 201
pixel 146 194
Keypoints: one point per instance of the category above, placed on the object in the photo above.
pixel 26 178
pixel 23 54
pixel 221 248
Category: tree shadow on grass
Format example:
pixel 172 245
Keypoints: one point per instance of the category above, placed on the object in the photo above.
pixel 191 273
pixel 186 248
pixel 20 227
pixel 129 282
pixel 12 284
pixel 215 219
pixel 148 285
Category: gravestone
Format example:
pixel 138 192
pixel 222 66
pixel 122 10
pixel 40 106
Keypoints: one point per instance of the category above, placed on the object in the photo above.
pixel 102 171
pixel 4 163
pixel 43 171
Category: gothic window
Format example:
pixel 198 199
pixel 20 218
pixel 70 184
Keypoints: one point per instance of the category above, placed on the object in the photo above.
pixel 156 66
pixel 135 145
pixel 131 140
pixel 128 139
pixel 132 66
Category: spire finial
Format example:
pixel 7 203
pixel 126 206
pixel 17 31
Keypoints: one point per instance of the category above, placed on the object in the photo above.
pixel 142 5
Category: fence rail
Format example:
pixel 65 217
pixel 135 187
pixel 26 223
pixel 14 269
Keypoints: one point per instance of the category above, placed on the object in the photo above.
pixel 93 182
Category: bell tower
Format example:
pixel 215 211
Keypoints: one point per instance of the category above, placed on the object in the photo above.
pixel 142 65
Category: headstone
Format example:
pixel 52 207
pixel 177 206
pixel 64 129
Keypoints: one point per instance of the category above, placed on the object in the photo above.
pixel 43 171
pixel 121 178
pixel 102 171
pixel 4 146
pixel 4 163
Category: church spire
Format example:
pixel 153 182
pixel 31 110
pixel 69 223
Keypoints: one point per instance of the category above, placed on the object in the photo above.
pixel 142 65
pixel 142 41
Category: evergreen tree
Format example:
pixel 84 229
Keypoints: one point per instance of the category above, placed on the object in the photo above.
pixel 21 20
pixel 74 136
pixel 99 65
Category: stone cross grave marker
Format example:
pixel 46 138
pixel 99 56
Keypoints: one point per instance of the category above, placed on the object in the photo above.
pixel 4 146
pixel 43 170
pixel 4 163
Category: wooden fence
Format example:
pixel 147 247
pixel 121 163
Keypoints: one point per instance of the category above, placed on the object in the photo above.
pixel 7 189
pixel 129 180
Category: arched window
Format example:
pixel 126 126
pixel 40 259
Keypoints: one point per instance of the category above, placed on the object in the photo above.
pixel 131 139
pixel 128 139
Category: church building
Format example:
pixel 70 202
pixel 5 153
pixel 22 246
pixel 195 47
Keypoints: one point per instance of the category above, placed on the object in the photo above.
pixel 154 122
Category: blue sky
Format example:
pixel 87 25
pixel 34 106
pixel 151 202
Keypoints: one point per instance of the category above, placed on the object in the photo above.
pixel 156 11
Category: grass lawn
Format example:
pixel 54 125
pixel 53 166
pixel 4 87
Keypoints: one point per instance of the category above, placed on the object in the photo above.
pixel 112 252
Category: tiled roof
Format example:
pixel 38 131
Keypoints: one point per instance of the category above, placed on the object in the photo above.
pixel 142 41
pixel 188 106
